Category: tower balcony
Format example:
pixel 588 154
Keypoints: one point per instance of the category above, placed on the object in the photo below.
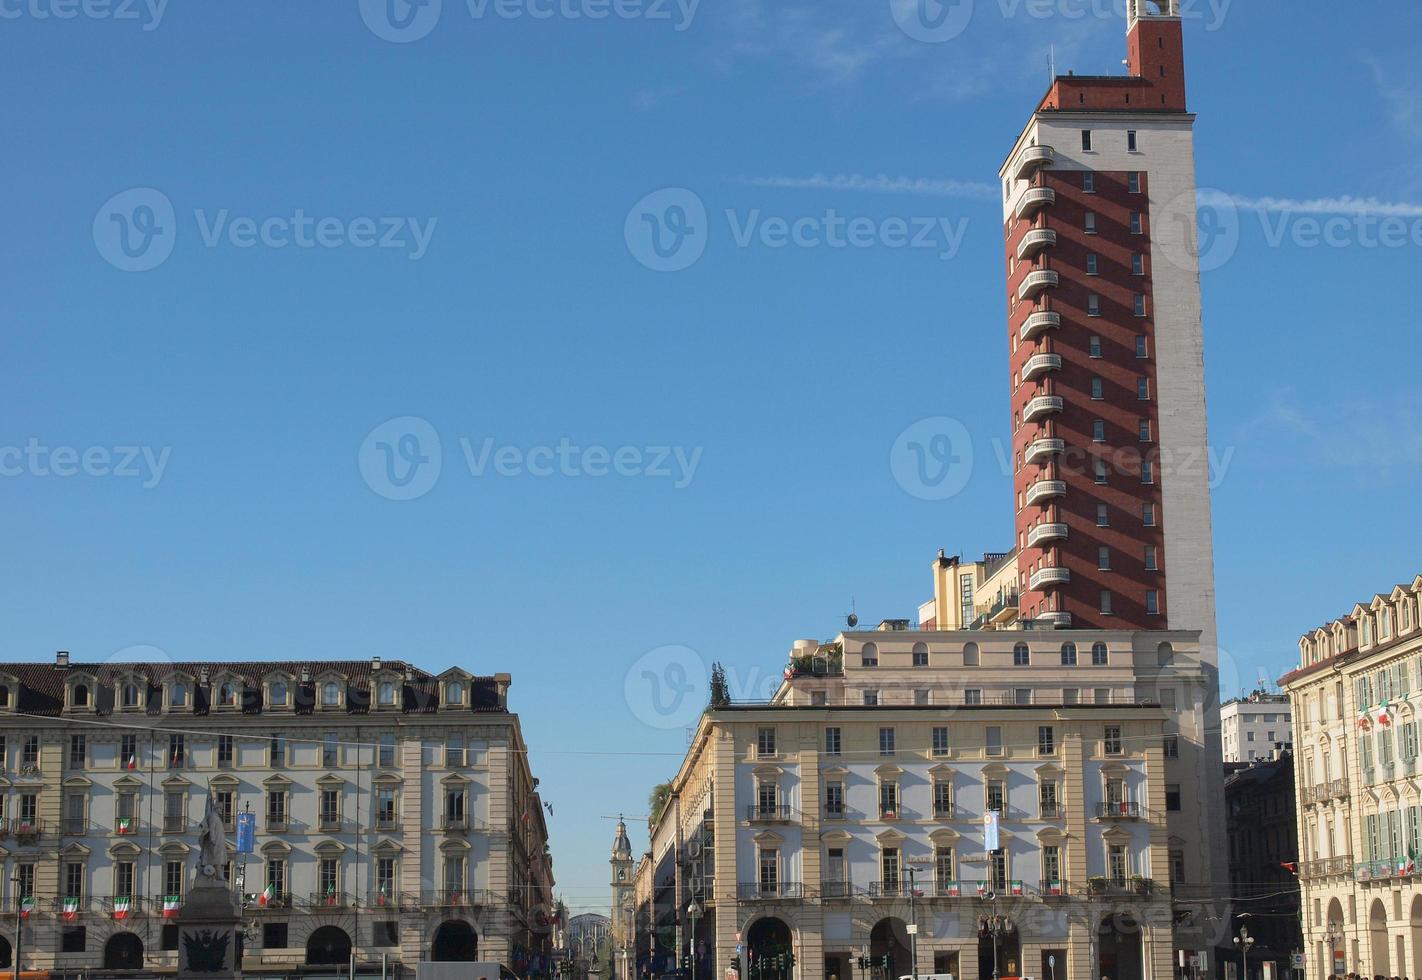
pixel 1031 159
pixel 1047 577
pixel 1039 364
pixel 1035 241
pixel 1035 199
pixel 1039 323
pixel 1045 490
pixel 1059 620
pixel 1034 282
pixel 1045 449
pixel 1046 532
pixel 1041 406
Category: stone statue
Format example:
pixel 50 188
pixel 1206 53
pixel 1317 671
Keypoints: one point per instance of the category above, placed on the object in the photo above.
pixel 212 846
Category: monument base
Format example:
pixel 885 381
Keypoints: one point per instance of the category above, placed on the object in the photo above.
pixel 208 925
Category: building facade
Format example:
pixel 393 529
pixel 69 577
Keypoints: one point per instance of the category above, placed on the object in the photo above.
pixel 395 815
pixel 803 837
pixel 1111 468
pixel 1254 727
pixel 1355 699
pixel 1261 817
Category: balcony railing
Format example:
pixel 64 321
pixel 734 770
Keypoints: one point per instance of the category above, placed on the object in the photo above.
pixel 454 821
pixel 1034 199
pixel 1338 789
pixel 1040 364
pixel 26 829
pixel 894 888
pixel 1045 490
pixel 1046 532
pixel 953 889
pixel 386 898
pixel 74 826
pixel 1052 811
pixel 1036 281
pixel 1045 449
pixel 459 897
pixel 174 824
pixel 768 813
pixel 1118 810
pixel 387 821
pixel 328 900
pixel 1041 406
pixel 1031 159
pixel 1043 577
pixel 127 826
pixel 834 811
pixel 279 900
pixel 135 905
pixel 1052 888
pixel 1034 241
pixel 767 890
pixel 1060 620
pixel 836 889
pixel 330 823
pixel 945 811
pixel 1039 323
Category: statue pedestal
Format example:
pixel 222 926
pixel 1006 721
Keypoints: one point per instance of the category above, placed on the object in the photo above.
pixel 207 932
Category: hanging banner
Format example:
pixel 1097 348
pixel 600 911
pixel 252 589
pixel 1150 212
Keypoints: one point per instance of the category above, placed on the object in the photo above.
pixel 990 837
pixel 246 832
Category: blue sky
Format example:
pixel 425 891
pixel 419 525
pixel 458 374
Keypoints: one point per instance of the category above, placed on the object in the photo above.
pixel 256 372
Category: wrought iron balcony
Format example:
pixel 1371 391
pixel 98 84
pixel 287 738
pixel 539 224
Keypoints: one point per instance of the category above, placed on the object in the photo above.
pixel 1042 405
pixel 329 900
pixel 750 891
pixel 836 889
pixel 1118 810
pixel 458 897
pixel 1045 490
pixel 768 813
pixel 1043 577
pixel 1052 888
pixel 1039 323
pixel 1034 282
pixel 1040 364
pixel 1034 199
pixel 1046 532
pixel 1035 241
pixel 1030 159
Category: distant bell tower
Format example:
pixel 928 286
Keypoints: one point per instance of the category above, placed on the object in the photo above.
pixel 622 912
pixel 1155 50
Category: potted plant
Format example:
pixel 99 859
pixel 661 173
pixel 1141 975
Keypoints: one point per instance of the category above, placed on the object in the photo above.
pixel 1096 886
pixel 1141 885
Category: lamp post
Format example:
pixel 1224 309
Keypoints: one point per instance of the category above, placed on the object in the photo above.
pixel 1244 941
pixel 693 912
pixel 996 926
pixel 1334 937
pixel 913 916
pixel 19 922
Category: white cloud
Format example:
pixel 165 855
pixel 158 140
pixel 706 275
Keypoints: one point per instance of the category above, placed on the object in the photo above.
pixel 648 99
pixel 1346 205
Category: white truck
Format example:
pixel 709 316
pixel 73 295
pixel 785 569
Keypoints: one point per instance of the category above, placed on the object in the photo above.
pixel 427 970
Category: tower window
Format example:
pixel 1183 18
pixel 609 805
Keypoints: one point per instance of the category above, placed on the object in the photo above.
pixel 1088 181
pixel 1091 222
pixel 1133 182
pixel 1135 223
pixel 1103 516
pixel 1140 306
pixel 1086 140
pixel 1097 390
pixel 1106 602
pixel 1094 347
pixel 1145 430
pixel 1098 430
pixel 1148 515
pixel 1100 465
pixel 1147 472
pixel 1093 305
pixel 1153 602
pixel 1142 346
pixel 1132 143
pixel 1143 389
pixel 1137 264
pixel 1103 559
pixel 1093 265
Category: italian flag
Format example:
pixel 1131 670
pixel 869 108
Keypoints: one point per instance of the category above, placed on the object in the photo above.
pixel 982 888
pixel 1054 888
pixel 1017 888
pixel 1365 723
pixel 170 906
pixel 265 898
pixel 71 909
pixel 125 825
pixel 331 894
pixel 133 761
pixel 383 897
pixel 953 890
pixel 27 905
pixel 1384 716
pixel 121 906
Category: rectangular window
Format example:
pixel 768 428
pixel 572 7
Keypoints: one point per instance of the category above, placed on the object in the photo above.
pixel 1133 182
pixel 1088 181
pixel 871 698
pixel 1103 516
pixel 1093 305
pixel 276 877
pixel 1097 390
pixel 1021 655
pixel 276 809
pixel 128 751
pixel 920 695
pixel 330 809
pixel 1048 799
pixel 73 880
pixel 940 740
pixel 1106 602
pixel 177 752
pixel 455 813
pixel 1101 695
pixel 384 881
pixel 1131 144
pixel 385 808
pixel 889 800
pixel 225 802
pixel 886 741
pixel 769 871
pixel 1051 866
pixel 1093 264
pixel 175 811
pixel 995 795
pixel 834 800
pixel 276 751
pixel 1098 465
pixel 123 879
pixel 29 754
pixel 73 939
pixel 943 868
pixel 869 656
pixel 387 750
pixel 1152 602
pixel 1090 222
pixel 328 881
pixel 78 751
pixel 1147 472
pixel 1177 867
pixel 173 878
pixel 972 695
pixel 385 933
pixel 1140 304
pixel 1172 797
pixel 273 936
pixel 1142 346
pixel 226 751
pixel 1136 223
pixel 1151 561
pixel 1086 140
pixel 454 753
pixel 330 750
pixel 765 743
pixel 1148 515
pixel 1111 740
pixel 993 740
pixel 1116 864
pixel 1046 740
pixel 1137 264
pixel 1143 430
pixel 832 741
pixel 1172 746
pixel 1094 347
pixel 1103 558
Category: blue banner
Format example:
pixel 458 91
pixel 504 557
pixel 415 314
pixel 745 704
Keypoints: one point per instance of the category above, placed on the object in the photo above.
pixel 990 838
pixel 246 832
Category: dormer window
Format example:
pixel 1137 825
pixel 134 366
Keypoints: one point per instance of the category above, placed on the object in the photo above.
pixel 385 694
pixel 178 695
pixel 4 695
pixel 79 696
pixel 279 694
pixel 227 695
pixel 454 693
pixel 128 696
pixel 331 695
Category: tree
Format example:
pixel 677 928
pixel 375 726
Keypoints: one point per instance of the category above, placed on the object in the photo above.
pixel 657 802
pixel 720 692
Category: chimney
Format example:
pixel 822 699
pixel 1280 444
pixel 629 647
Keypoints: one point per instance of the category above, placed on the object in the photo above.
pixel 306 674
pixel 61 658
pixel 374 664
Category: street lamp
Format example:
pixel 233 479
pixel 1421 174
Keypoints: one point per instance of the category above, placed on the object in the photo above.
pixel 19 922
pixel 1334 937
pixel 913 917
pixel 693 912
pixel 1244 941
pixel 996 926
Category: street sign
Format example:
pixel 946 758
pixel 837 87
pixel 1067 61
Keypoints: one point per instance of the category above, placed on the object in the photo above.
pixel 913 929
pixel 1297 961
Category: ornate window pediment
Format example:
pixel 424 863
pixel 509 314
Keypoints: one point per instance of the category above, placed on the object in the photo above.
pixel 276 848
pixel 836 837
pixel 278 691
pixel 769 838
pixel 330 691
pixel 387 846
pixel 946 836
pixel 80 691
pixel 174 847
pixel 888 771
pixel 9 692
pixel 330 848
pixel 78 782
pixel 75 849
pixel 124 850
pixel 890 837
pixel 835 772
pixel 277 781
pixel 1050 769
pixel 458 844
pixel 768 771
pixel 942 772
pixel 995 770
pixel 331 781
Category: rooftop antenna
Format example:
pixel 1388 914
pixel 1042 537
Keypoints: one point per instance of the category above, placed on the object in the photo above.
pixel 853 618
pixel 1052 65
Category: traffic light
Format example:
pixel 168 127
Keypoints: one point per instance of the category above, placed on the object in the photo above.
pixel 885 962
